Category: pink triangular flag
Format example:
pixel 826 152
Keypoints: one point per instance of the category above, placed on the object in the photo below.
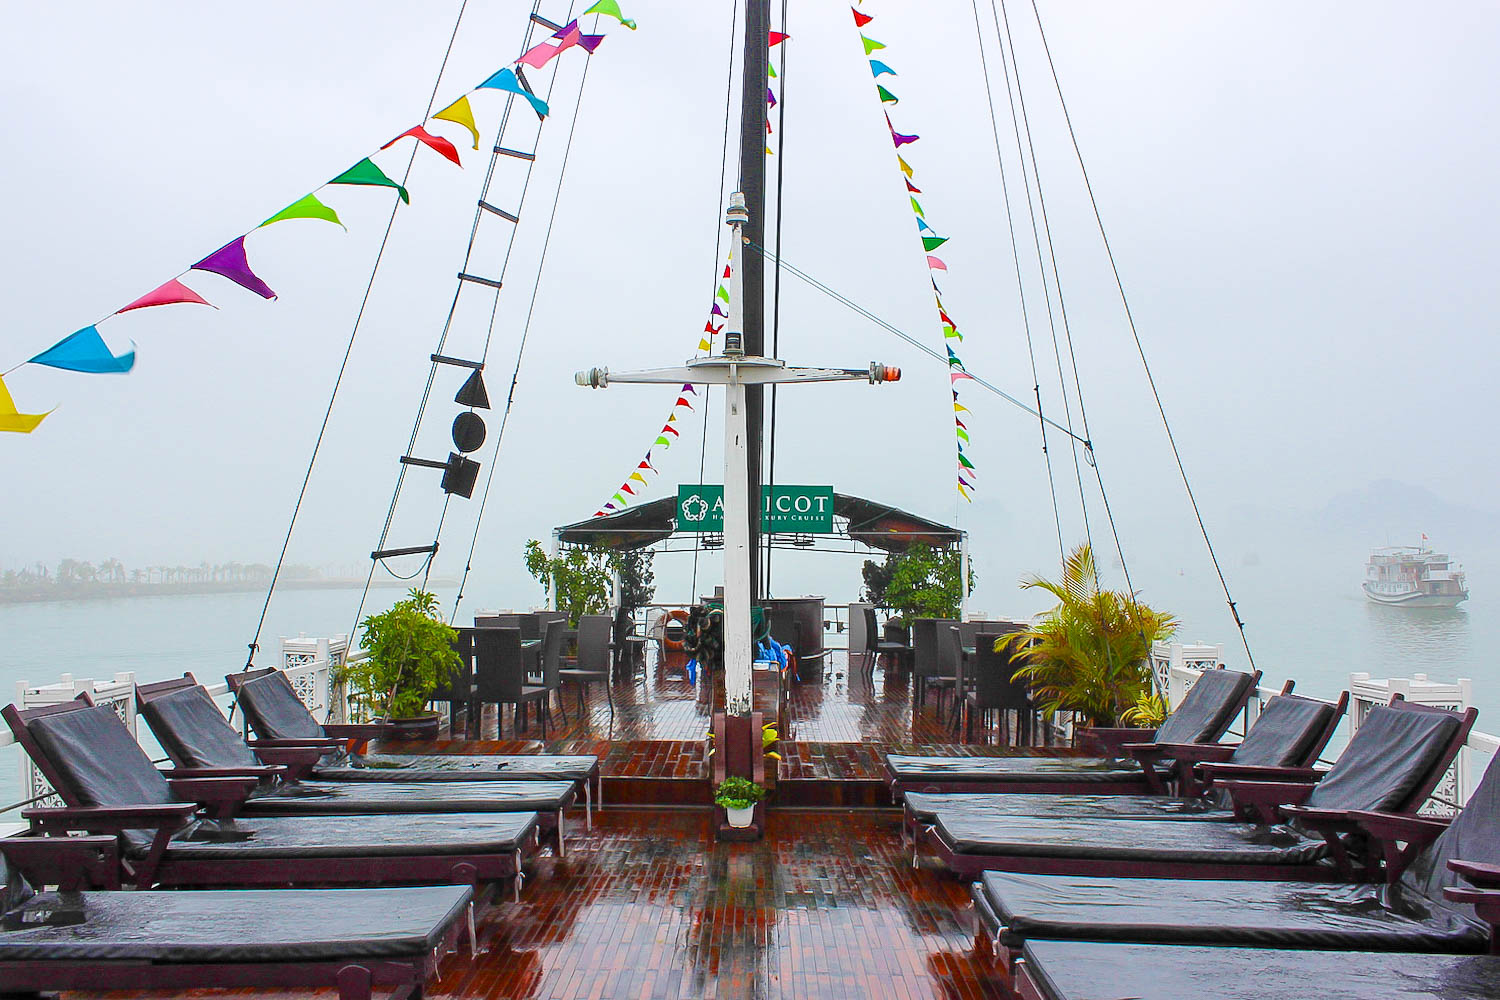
pixel 936 263
pixel 171 293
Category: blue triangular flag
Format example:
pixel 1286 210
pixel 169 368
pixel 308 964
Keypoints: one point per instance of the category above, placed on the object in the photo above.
pixel 85 351
pixel 877 67
pixel 506 80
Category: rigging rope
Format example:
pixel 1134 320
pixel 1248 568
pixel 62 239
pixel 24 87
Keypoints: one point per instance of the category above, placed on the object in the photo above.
pixel 1010 223
pixel 776 286
pixel 1140 348
pixel 349 348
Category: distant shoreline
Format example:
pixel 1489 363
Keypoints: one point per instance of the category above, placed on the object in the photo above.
pixel 110 591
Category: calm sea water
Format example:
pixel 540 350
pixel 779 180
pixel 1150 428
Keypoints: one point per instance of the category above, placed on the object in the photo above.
pixel 1313 625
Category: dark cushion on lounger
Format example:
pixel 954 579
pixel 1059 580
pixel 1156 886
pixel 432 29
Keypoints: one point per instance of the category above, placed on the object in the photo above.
pixel 274 710
pixel 190 727
pixel 247 925
pixel 1392 753
pixel 1284 732
pixel 1071 970
pixel 1473 836
pixel 1229 913
pixel 356 836
pixel 926 805
pixel 462 767
pixel 1128 840
pixel 1208 709
pixel 1014 769
pixel 386 797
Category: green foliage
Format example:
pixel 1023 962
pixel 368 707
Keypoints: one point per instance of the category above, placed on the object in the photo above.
pixel 411 653
pixel 738 793
pixel 877 577
pixel 921 582
pixel 637 581
pixel 1089 654
pixel 1149 711
pixel 580 577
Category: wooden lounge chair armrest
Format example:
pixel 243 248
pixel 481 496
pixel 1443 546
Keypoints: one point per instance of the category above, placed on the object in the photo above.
pixel 220 796
pixel 357 730
pixel 321 745
pixel 1388 831
pixel 1482 875
pixel 1260 801
pixel 1112 741
pixel 262 772
pixel 70 863
pixel 1214 771
pixel 295 762
pixel 111 819
pixel 1191 753
pixel 1486 903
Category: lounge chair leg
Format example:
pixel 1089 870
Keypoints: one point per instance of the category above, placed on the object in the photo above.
pixel 520 878
pixel 353 982
pixel 562 851
pixel 474 948
pixel 588 804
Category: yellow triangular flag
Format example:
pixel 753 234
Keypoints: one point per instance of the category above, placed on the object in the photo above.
pixel 14 420
pixel 460 113
pixel 637 475
pixel 704 345
pixel 905 167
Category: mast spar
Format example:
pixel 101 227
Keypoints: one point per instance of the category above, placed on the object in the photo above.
pixel 751 267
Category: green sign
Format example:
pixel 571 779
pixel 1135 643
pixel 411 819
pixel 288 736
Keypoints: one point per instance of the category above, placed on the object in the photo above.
pixel 784 509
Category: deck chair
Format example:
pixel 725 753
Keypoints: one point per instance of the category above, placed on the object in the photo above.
pixel 1391 765
pixel 1290 731
pixel 112 789
pixel 1202 717
pixel 1073 970
pixel 201 742
pixel 280 720
pixel 1420 906
pixel 358 940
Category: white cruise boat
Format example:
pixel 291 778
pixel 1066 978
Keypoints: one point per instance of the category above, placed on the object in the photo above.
pixel 1414 576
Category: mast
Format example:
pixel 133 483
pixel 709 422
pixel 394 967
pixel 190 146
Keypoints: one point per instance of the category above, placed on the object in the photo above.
pixel 752 261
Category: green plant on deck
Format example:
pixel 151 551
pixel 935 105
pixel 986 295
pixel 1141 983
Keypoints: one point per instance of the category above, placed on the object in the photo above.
pixel 921 582
pixel 1090 654
pixel 1149 711
pixel 738 793
pixel 580 577
pixel 411 653
pixel 637 579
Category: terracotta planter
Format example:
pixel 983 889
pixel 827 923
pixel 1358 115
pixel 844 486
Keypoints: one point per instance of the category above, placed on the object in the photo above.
pixel 1107 742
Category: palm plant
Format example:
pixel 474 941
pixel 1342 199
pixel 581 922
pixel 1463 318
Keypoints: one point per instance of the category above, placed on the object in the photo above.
pixel 1090 653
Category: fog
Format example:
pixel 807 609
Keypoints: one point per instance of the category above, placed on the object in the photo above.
pixel 1300 199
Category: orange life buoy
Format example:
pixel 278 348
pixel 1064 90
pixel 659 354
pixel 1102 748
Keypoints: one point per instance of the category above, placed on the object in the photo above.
pixel 675 615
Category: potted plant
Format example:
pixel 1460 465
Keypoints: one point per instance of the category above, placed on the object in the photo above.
pixel 1090 654
pixel 411 652
pixel 737 797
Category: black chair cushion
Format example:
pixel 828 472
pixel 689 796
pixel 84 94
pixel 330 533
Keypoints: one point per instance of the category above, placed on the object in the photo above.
pixel 1284 732
pixel 1157 841
pixel 462 767
pixel 925 806
pixel 356 837
pixel 382 797
pixel 194 733
pixel 1208 709
pixel 275 711
pixel 1390 756
pixel 1012 769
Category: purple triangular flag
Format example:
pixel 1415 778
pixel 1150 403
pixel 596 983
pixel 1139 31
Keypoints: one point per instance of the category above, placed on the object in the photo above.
pixel 719 312
pixel 229 261
pixel 590 42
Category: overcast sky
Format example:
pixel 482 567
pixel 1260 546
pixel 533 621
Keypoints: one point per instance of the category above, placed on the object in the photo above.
pixel 1300 198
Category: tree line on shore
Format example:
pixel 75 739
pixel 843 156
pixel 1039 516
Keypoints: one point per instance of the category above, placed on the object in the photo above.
pixel 73 576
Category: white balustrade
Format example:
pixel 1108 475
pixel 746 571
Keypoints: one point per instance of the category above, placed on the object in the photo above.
pixel 118 694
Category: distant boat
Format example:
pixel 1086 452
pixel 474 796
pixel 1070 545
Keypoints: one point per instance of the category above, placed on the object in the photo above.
pixel 1414 576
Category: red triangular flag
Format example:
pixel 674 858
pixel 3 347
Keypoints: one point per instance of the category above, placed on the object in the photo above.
pixel 626 487
pixel 168 294
pixel 913 188
pixel 727 272
pixel 426 138
pixel 777 37
pixel 860 20
pixel 682 401
pixel 669 429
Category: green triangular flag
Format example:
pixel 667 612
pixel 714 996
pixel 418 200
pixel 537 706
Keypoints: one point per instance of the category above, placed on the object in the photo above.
pixel 662 440
pixel 952 331
pixel 871 44
pixel 306 207
pixel 964 461
pixel 723 293
pixel 772 71
pixel 916 206
pixel 931 243
pixel 612 9
pixel 366 173
pixel 962 433
pixel 886 97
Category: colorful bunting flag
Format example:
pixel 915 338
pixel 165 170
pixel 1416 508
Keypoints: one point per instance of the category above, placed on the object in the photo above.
pixel 886 97
pixel 682 401
pixel 171 293
pixel 85 351
pixel 905 167
pixel 688 387
pixel 719 311
pixel 366 174
pixel 723 293
pixel 931 243
pixel 610 8
pixel 507 81
pixel 13 420
pixel 879 68
pixel 669 429
pixel 936 263
pixel 460 112
pixel 860 20
pixel 229 261
pixel 306 207
pixel 871 44
pixel 704 345
pixel 426 138
pixel 916 207
pixel 776 38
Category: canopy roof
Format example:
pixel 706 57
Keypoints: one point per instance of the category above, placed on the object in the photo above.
pixel 874 524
